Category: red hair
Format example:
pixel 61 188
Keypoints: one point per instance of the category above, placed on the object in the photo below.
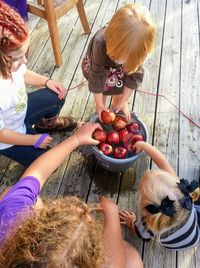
pixel 13 33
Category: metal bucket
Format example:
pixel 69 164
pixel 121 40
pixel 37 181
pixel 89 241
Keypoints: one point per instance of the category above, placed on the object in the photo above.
pixel 113 164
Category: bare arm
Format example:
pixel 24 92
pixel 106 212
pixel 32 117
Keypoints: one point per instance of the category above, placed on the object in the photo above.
pixel 159 159
pixel 127 92
pixel 34 79
pixel 123 105
pixel 113 234
pixel 47 163
pixel 100 106
pixel 13 137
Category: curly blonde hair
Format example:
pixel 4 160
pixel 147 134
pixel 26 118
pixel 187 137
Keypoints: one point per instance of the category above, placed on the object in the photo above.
pixel 64 233
pixel 153 188
pixel 130 36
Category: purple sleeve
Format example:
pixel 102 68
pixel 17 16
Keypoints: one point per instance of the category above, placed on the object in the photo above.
pixel 22 196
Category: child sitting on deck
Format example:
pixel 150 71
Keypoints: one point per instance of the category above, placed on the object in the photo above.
pixel 113 61
pixel 19 111
pixel 64 232
pixel 170 207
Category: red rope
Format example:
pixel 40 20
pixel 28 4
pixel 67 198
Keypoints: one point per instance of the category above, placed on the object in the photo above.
pixel 155 95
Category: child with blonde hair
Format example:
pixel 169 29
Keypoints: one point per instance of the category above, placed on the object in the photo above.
pixel 19 111
pixel 170 207
pixel 65 232
pixel 113 61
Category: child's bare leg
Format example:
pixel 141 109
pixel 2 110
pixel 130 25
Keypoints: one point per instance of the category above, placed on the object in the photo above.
pixel 128 218
pixel 116 99
pixel 132 257
pixel 104 100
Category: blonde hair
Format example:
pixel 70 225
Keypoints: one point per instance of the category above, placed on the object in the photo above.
pixel 64 233
pixel 153 188
pixel 130 36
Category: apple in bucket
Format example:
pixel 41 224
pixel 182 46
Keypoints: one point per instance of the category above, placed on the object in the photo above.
pixel 118 136
pixel 133 127
pixel 120 152
pixel 105 148
pixel 119 122
pixel 124 135
pixel 99 135
pixel 112 137
pixel 108 117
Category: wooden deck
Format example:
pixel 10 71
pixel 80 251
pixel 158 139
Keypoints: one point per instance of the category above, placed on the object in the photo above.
pixel 173 70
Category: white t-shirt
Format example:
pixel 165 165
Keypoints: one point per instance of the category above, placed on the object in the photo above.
pixel 13 103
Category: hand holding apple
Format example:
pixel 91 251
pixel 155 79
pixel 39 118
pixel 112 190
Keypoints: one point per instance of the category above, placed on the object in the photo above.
pixel 99 134
pixel 138 146
pixel 84 133
pixel 123 106
pixel 119 123
pixel 107 116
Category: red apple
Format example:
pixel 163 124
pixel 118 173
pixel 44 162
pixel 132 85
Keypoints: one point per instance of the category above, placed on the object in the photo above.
pixel 119 123
pixel 108 117
pixel 133 127
pixel 129 147
pixel 124 135
pixel 113 137
pixel 120 152
pixel 137 137
pixel 99 135
pixel 105 148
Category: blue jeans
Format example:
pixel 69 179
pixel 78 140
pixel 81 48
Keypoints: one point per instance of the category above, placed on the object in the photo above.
pixel 41 103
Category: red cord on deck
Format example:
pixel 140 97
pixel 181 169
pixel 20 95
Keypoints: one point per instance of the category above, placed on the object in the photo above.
pixel 152 94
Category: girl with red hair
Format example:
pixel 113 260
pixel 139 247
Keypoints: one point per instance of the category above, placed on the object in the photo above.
pixel 19 110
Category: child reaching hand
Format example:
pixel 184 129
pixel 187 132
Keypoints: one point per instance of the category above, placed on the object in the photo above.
pixel 19 110
pixel 113 61
pixel 61 233
pixel 170 207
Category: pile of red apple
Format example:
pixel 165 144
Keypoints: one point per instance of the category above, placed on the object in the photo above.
pixel 117 138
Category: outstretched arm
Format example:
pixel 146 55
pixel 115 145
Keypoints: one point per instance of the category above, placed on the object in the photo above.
pixel 112 233
pixel 159 159
pixel 47 163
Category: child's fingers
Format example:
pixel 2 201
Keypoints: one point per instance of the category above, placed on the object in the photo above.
pixel 124 213
pixel 123 222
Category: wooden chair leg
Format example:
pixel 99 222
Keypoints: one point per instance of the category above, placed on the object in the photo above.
pixel 53 29
pixel 82 15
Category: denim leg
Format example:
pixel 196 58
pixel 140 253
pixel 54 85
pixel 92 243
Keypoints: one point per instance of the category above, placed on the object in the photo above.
pixel 24 155
pixel 42 103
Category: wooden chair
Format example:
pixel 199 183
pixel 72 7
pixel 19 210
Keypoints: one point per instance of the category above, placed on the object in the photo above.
pixel 47 9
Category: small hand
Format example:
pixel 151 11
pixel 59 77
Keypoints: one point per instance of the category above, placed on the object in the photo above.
pixel 109 207
pixel 46 142
pixel 84 133
pixel 138 146
pixel 127 219
pixel 123 106
pixel 57 88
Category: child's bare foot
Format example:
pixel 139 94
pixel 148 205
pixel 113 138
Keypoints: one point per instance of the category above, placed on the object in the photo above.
pixel 128 218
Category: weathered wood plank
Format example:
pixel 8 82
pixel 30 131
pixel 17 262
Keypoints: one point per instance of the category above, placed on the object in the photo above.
pixel 166 121
pixel 189 159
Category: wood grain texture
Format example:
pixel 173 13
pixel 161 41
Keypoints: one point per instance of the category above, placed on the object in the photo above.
pixel 172 70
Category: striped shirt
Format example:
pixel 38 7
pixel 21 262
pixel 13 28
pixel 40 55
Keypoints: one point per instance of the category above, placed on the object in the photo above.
pixel 186 236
